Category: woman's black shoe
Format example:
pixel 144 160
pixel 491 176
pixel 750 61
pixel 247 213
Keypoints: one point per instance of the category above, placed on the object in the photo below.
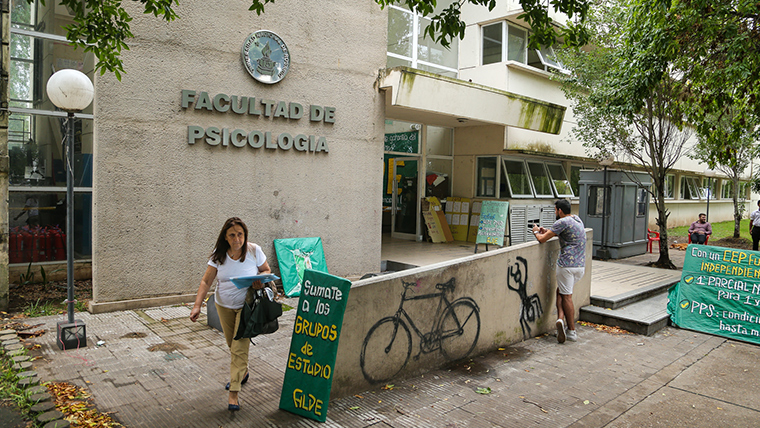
pixel 242 382
pixel 233 407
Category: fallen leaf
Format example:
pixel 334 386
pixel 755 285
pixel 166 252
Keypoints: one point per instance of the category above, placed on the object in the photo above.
pixel 485 390
pixel 353 408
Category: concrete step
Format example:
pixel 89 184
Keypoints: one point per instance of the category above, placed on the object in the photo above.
pixel 633 296
pixel 643 317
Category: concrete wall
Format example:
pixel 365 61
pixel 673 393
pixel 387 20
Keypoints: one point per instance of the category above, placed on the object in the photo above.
pixel 513 288
pixel 160 202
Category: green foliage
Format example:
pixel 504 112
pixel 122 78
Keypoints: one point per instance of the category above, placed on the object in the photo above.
pixel 28 277
pixel 447 24
pixel 644 129
pixel 102 27
pixel 9 389
pixel 712 50
pixel 723 229
pixel 41 309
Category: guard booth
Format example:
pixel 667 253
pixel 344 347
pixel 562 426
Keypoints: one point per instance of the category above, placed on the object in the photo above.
pixel 620 224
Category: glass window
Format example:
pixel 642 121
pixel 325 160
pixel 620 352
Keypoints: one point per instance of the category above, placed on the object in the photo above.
pixel 487 176
pixel 689 188
pixel 395 62
pixel 517 40
pixel 595 198
pixel 541 183
pixel 400 31
pixel 439 141
pixel 669 187
pixel 710 188
pixel 37 228
pixel 402 137
pixel 37 169
pixel 492 43
pixel 743 190
pixel 559 180
pixel 438 178
pixel 428 50
pixel 642 201
pixel 575 178
pixel 549 59
pixel 725 190
pixel 517 178
pixel 408 46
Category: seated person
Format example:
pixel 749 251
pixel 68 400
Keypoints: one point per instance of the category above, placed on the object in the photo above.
pixel 700 230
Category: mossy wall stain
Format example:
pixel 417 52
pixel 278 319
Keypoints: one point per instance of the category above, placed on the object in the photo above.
pixel 549 117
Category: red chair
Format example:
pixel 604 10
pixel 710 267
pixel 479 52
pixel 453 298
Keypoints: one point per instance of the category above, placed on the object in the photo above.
pixel 707 238
pixel 651 237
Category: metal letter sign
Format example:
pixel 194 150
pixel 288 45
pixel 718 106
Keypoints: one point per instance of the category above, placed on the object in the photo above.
pixel 266 57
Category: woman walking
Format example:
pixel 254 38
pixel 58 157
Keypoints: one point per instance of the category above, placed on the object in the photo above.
pixel 232 257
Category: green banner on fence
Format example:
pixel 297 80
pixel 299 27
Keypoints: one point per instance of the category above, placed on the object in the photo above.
pixel 493 222
pixel 314 345
pixel 719 293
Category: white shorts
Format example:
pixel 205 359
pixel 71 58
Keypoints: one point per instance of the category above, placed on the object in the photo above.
pixel 567 277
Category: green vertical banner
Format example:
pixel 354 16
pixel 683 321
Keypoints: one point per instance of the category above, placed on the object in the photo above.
pixel 314 345
pixel 493 222
pixel 719 293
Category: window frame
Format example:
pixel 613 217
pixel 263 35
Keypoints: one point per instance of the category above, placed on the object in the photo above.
pixel 690 183
pixel 526 173
pixel 552 180
pixel 479 178
pixel 415 62
pixel 670 186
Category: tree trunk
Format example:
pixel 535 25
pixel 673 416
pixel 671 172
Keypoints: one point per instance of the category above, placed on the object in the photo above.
pixel 737 212
pixel 662 222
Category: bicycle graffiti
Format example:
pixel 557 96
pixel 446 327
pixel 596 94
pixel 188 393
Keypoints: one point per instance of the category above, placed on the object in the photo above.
pixel 530 305
pixel 388 345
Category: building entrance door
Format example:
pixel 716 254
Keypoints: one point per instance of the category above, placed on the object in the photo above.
pixel 406 202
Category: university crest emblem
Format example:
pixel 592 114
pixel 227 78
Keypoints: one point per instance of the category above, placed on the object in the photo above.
pixel 266 57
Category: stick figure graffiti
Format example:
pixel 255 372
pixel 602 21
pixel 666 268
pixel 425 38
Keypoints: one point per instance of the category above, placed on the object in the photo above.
pixel 531 305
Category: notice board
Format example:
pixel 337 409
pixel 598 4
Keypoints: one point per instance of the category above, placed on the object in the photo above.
pixel 314 345
pixel 493 222
pixel 719 293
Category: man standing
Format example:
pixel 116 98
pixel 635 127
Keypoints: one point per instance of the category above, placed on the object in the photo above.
pixel 700 230
pixel 754 226
pixel 571 264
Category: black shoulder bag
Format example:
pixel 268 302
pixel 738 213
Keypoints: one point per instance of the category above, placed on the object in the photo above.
pixel 259 316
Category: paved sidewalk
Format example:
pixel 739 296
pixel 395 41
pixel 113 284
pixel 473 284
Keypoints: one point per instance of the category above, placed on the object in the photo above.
pixel 157 369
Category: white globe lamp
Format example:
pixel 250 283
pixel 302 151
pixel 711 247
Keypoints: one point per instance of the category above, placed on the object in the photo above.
pixel 71 91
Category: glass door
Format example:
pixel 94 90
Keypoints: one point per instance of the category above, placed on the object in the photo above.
pixel 406 201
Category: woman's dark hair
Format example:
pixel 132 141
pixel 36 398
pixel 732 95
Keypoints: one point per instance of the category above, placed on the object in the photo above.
pixel 220 251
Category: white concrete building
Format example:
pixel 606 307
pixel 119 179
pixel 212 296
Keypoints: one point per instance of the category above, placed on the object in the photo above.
pixel 189 138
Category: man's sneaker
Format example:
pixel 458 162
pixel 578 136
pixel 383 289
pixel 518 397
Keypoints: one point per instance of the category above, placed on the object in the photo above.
pixel 561 331
pixel 571 335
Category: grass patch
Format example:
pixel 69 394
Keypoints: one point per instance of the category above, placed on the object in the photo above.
pixel 724 229
pixel 41 309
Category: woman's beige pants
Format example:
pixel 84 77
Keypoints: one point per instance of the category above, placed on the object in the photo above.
pixel 238 348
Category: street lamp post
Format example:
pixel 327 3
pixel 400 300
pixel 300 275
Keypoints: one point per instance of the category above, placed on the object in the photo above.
pixel 71 91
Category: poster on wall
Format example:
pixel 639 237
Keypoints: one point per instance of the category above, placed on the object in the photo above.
pixel 719 293
pixel 295 255
pixel 314 345
pixel 493 222
pixel 399 142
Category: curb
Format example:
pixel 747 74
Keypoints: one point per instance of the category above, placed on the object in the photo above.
pixel 43 408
